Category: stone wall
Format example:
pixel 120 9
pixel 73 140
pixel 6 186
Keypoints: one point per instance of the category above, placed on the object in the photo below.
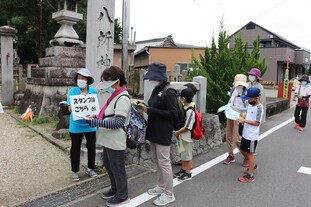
pixel 276 105
pixel 142 155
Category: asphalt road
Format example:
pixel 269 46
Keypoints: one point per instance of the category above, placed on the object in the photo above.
pixel 282 151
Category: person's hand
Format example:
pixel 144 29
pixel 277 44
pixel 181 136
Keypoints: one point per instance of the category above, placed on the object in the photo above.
pixel 177 134
pixel 92 122
pixel 142 108
pixel 241 120
pixel 90 117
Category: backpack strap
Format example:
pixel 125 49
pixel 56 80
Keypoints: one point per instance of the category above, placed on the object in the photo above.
pixel 115 104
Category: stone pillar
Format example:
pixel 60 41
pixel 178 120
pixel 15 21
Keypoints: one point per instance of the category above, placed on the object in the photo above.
pixel 201 96
pixel 7 94
pixel 100 33
pixel 99 50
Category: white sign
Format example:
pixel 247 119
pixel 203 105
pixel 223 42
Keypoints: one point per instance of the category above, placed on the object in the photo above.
pixel 84 105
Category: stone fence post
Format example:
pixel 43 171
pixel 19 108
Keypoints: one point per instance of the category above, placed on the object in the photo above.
pixel 7 95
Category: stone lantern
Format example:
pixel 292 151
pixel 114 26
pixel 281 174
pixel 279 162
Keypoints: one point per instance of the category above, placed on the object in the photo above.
pixel 67 15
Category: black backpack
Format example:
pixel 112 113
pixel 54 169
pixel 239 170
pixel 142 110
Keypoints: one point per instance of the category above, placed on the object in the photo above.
pixel 180 122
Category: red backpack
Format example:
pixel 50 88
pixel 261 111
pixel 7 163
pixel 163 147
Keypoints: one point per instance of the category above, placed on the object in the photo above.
pixel 198 130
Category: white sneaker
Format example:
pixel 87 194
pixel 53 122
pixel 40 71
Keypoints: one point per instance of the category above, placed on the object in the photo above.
pixel 91 173
pixel 156 191
pixel 74 176
pixel 164 199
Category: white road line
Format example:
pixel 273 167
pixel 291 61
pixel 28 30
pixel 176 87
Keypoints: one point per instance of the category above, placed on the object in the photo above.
pixel 142 198
pixel 305 170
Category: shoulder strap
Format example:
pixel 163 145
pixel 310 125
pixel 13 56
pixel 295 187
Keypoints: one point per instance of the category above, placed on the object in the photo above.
pixel 118 99
pixel 114 107
pixel 168 86
pixel 299 90
pixel 190 107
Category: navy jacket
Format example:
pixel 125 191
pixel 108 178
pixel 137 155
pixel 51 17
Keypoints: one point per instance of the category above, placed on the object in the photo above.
pixel 162 110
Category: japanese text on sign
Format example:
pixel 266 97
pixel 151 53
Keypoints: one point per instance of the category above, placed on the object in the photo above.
pixel 84 105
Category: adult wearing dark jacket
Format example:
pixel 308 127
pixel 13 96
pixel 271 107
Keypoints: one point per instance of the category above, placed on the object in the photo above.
pixel 162 110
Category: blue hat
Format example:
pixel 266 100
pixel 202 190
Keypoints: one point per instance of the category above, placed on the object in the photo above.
pixel 157 72
pixel 251 92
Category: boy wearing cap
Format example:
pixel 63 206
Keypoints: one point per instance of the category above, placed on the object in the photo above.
pixel 232 126
pixel 303 92
pixel 184 135
pixel 250 133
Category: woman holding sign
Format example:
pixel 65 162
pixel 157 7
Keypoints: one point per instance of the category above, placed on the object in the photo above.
pixel 111 120
pixel 77 125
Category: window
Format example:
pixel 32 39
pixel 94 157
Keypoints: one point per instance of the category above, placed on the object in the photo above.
pixel 250 26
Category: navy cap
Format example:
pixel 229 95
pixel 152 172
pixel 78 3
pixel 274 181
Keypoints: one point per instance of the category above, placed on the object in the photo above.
pixel 157 72
pixel 251 92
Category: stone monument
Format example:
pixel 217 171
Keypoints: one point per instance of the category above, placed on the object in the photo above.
pixel 7 90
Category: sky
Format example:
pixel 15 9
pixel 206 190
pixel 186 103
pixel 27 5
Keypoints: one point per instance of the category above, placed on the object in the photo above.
pixel 195 22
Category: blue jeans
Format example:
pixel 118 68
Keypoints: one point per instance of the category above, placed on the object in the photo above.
pixel 114 161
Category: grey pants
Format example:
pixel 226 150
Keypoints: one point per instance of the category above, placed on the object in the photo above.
pixel 162 160
pixel 114 161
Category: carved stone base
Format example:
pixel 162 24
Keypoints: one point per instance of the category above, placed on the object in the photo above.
pixel 49 83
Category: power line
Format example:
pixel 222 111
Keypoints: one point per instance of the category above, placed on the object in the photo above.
pixel 51 5
pixel 275 6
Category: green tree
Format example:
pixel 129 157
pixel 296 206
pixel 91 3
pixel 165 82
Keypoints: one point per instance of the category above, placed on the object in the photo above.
pixel 24 16
pixel 220 65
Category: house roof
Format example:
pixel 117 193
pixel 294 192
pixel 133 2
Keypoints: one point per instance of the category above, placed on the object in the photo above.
pixel 160 42
pixel 276 36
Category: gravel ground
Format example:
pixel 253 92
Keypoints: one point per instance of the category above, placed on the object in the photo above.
pixel 30 166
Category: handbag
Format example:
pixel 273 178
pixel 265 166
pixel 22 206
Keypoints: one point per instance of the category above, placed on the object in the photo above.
pixel 303 102
pixel 130 143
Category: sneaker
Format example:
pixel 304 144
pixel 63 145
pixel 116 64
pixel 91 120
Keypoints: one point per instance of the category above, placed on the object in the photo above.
pixel 246 171
pixel 75 176
pixel 229 159
pixel 296 126
pixel 247 178
pixel 115 201
pixel 108 194
pixel 185 177
pixel 164 199
pixel 156 190
pixel 245 163
pixel 301 129
pixel 179 173
pixel 91 173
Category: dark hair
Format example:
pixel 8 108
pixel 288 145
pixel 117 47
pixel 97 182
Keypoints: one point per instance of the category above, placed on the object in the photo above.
pixel 187 93
pixel 113 73
pixel 194 89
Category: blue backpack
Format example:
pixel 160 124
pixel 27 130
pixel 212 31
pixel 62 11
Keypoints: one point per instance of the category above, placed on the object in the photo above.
pixel 136 129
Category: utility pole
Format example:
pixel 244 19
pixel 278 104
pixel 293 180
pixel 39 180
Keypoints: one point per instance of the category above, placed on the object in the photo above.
pixel 40 30
pixel 125 35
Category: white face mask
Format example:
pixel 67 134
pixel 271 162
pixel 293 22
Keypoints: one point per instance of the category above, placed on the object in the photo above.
pixel 252 78
pixel 303 83
pixel 154 83
pixel 82 83
pixel 239 89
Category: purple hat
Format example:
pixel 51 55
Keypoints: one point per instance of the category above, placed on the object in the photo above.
pixel 256 72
